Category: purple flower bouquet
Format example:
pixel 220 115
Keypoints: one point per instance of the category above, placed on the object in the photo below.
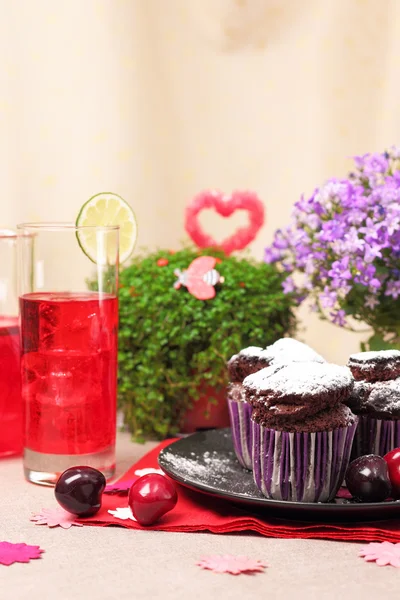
pixel 344 241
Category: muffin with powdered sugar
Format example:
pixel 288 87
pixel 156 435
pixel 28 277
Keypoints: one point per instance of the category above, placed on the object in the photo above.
pixel 284 351
pixel 378 407
pixel 375 399
pixel 247 362
pixel 380 365
pixel 302 431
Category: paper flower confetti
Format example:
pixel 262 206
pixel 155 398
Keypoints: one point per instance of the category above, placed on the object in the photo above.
pixel 120 488
pixel 124 513
pixel 55 517
pixel 141 472
pixel 383 553
pixel 22 553
pixel 235 565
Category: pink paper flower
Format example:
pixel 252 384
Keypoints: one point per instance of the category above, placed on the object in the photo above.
pixel 383 553
pixel 11 553
pixel 53 517
pixel 119 489
pixel 231 564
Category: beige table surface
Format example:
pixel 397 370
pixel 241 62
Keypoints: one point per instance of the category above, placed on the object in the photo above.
pixel 97 563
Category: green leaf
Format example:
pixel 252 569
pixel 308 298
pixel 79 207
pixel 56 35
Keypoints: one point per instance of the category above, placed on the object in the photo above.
pixel 376 342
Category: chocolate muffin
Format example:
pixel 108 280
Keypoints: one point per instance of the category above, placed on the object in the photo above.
pixel 378 430
pixel 242 365
pixel 302 432
pixel 382 365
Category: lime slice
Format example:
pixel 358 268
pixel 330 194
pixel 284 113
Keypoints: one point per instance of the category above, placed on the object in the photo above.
pixel 102 210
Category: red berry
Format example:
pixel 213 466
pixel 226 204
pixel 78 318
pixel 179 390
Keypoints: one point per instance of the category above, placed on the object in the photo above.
pixel 393 462
pixel 162 262
pixel 150 497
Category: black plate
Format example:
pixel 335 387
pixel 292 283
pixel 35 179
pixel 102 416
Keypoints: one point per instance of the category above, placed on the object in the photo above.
pixel 205 462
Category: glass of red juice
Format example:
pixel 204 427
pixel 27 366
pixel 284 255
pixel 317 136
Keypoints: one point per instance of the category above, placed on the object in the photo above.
pixel 10 378
pixel 68 279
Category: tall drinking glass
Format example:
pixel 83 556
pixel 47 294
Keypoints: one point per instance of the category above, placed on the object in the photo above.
pixel 68 279
pixel 10 379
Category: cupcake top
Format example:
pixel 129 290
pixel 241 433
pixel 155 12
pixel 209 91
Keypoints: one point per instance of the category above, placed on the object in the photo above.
pixel 287 350
pixel 250 383
pixel 252 352
pixel 381 365
pixel 297 380
pixel 383 401
pixel 282 352
pixel 358 397
pixel 337 417
pixel 291 398
pixel 374 356
pixel 247 361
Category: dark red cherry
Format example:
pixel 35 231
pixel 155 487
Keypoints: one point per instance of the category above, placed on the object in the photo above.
pixel 367 478
pixel 150 497
pixel 79 490
pixel 393 462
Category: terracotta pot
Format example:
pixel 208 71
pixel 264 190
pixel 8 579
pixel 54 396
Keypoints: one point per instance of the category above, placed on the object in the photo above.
pixel 196 418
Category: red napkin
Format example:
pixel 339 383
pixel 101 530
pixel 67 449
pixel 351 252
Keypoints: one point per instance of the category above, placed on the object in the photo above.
pixel 199 512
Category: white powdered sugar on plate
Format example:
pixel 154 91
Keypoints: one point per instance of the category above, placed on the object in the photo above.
pixel 207 467
pixel 377 355
pixel 211 468
pixel 300 379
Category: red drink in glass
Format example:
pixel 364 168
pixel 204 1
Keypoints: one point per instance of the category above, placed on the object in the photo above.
pixel 69 362
pixel 10 388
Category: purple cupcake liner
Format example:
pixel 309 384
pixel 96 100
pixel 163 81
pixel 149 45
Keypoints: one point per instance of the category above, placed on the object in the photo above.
pixel 375 436
pixel 301 467
pixel 240 416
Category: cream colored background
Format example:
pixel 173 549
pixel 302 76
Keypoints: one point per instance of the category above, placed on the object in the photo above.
pixel 158 99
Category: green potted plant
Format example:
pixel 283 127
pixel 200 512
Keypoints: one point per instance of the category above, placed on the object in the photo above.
pixel 173 347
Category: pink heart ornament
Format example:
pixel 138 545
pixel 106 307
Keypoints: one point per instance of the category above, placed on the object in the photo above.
pixel 225 206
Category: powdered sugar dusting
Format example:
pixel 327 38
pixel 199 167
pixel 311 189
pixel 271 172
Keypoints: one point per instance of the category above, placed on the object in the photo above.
pixel 252 351
pixel 203 465
pixel 375 355
pixel 253 381
pixel 288 350
pixel 385 398
pixel 301 379
pixel 211 468
pixel 283 351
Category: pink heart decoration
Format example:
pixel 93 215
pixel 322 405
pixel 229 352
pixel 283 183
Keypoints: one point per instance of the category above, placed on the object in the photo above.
pixel 225 206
